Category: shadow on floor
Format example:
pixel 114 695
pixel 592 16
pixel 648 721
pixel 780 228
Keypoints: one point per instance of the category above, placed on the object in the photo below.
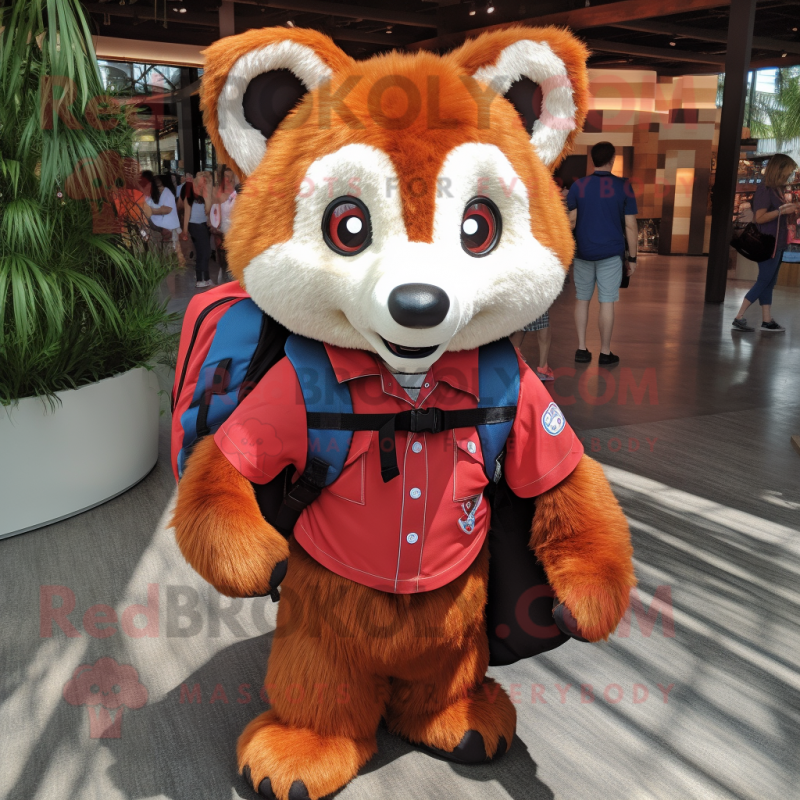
pixel 183 747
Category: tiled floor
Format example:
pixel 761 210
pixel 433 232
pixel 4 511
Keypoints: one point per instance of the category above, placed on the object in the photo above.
pixel 702 702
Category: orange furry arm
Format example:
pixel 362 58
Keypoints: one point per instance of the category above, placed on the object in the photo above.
pixel 220 529
pixel 582 539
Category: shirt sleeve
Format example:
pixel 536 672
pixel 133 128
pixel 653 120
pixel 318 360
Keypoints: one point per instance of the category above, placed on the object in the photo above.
pixel 630 207
pixel 763 199
pixel 572 197
pixel 267 432
pixel 542 449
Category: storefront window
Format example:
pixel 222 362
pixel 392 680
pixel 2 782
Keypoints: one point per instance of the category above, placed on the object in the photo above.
pixel 157 144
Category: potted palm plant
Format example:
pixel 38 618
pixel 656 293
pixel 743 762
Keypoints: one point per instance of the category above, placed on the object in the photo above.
pixel 81 323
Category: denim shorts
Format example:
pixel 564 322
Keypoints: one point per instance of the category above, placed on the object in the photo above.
pixel 606 273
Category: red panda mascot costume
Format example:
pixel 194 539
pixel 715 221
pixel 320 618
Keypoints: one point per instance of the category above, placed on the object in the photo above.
pixel 400 219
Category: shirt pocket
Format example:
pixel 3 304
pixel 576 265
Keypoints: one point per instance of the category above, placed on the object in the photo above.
pixel 469 476
pixel 350 485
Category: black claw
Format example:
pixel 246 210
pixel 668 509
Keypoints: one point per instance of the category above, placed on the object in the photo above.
pixel 298 791
pixel 501 748
pixel 471 749
pixel 565 622
pixel 265 789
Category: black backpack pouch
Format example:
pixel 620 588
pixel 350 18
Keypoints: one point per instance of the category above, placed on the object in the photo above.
pixel 519 610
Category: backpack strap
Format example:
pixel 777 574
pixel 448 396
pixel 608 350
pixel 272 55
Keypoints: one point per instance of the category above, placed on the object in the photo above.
pixel 498 381
pixel 223 373
pixel 327 447
pixel 331 421
pixel 498 385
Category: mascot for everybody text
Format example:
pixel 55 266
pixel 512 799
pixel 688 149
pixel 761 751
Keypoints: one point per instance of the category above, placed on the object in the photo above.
pixel 400 220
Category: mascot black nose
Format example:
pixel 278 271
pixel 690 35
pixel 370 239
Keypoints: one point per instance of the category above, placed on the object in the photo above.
pixel 418 305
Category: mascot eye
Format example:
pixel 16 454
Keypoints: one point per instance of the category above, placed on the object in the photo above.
pixel 346 226
pixel 480 227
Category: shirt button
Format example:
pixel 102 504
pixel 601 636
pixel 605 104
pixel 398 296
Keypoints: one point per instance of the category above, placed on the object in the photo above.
pixel 415 493
pixel 471 447
pixel 417 447
pixel 412 538
pixel 427 385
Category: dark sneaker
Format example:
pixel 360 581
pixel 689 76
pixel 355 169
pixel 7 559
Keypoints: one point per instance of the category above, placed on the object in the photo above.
pixel 741 325
pixel 607 359
pixel 583 356
pixel 772 326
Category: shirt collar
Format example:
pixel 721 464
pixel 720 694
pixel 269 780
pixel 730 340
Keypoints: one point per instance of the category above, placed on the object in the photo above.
pixel 459 369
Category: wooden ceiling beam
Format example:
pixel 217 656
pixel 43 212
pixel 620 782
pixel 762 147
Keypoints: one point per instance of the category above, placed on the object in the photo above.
pixel 581 18
pixel 686 32
pixel 211 21
pixel 661 53
pixel 392 17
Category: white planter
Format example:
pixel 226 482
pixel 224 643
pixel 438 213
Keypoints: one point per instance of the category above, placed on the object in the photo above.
pixel 101 440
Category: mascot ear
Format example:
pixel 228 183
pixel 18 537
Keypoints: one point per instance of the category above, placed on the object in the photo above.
pixel 542 73
pixel 251 83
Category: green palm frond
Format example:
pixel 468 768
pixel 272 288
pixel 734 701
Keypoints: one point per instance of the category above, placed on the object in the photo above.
pixel 75 306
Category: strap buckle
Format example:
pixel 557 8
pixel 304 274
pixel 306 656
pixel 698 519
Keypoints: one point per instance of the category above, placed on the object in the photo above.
pixel 427 420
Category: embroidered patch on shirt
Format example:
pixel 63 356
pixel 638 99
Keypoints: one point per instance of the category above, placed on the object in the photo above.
pixel 469 507
pixel 553 420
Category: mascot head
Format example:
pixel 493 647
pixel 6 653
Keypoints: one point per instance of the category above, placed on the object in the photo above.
pixel 403 204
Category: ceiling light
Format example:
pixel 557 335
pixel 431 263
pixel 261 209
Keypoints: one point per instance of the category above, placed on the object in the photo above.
pixel 290 23
pixel 181 10
pixel 673 44
pixel 389 29
pixel 783 55
pixel 794 30
pixel 490 9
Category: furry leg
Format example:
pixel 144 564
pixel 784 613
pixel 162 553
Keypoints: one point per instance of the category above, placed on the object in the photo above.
pixel 581 537
pixel 326 695
pixel 444 708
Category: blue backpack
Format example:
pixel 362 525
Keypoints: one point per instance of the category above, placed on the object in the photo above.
pixel 242 347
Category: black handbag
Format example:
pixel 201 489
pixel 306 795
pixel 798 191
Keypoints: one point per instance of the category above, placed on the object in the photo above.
pixel 753 244
pixel 519 609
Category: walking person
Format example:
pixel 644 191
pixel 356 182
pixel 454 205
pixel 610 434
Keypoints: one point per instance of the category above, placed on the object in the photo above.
pixel 542 328
pixel 197 203
pixel 773 215
pixel 224 199
pixel 602 212
pixel 164 217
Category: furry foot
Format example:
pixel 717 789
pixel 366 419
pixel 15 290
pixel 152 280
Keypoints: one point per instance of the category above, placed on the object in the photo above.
pixel 474 729
pixel 282 762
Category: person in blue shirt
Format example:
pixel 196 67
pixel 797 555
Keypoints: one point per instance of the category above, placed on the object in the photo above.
pixel 602 211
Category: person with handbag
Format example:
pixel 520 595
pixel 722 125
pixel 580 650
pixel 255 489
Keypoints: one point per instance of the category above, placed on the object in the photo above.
pixel 602 211
pixel 772 216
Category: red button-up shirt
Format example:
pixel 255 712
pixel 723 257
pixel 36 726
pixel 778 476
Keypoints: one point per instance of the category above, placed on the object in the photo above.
pixel 422 529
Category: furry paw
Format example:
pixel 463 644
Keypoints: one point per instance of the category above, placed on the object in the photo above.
pixel 287 763
pixel 474 729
